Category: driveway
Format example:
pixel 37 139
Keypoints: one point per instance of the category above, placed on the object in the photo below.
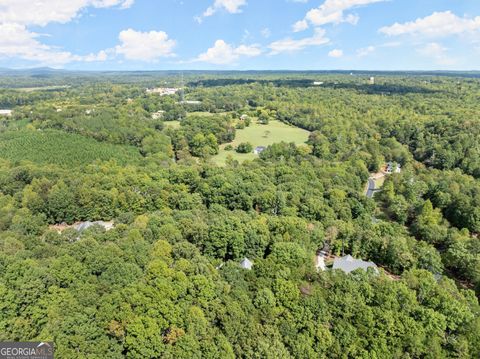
pixel 371 188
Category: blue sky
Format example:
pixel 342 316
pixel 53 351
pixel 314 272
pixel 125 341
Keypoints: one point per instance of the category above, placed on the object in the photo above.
pixel 241 34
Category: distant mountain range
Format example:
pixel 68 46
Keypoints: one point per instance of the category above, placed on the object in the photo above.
pixel 32 71
pixel 48 71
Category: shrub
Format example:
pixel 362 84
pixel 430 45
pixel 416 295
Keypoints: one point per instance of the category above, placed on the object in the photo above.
pixel 245 147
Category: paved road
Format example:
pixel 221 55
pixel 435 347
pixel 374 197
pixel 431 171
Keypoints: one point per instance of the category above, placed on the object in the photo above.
pixel 371 188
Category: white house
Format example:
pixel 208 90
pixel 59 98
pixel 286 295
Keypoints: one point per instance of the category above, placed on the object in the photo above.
pixel 320 262
pixel 320 258
pixel 393 168
pixel 5 112
pixel 163 91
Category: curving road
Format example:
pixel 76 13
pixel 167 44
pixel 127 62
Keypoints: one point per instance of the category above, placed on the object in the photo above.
pixel 371 188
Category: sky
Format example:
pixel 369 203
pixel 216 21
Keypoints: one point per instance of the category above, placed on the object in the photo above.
pixel 241 34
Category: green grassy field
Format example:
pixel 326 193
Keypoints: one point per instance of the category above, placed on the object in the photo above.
pixel 172 124
pixel 60 148
pixel 261 135
pixel 41 88
pixel 202 113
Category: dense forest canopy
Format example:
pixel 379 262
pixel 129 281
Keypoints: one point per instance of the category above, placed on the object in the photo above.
pixel 166 280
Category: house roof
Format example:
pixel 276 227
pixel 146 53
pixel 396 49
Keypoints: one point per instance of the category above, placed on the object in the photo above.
pixel 349 264
pixel 85 225
pixel 246 263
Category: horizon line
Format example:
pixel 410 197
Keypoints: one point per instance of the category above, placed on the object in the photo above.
pixel 234 70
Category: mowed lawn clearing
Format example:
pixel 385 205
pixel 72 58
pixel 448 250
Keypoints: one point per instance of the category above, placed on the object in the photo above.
pixel 261 135
pixel 172 124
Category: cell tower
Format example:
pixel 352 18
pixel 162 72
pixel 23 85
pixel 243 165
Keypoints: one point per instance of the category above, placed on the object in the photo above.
pixel 182 89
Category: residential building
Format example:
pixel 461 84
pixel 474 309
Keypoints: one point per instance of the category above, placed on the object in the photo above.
pixel 349 264
pixel 246 264
pixel 259 149
pixel 5 112
pixel 163 91
pixel 393 168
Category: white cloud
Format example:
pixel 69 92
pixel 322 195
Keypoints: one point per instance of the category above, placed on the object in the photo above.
pixel 30 12
pixel 230 6
pixel 145 46
pixel 248 50
pixel 366 51
pixel 391 44
pixel 300 26
pixel 336 53
pixel 331 12
pixel 100 56
pixel 17 42
pixel 291 45
pixel 437 52
pixel 439 24
pixel 266 33
pixel 222 53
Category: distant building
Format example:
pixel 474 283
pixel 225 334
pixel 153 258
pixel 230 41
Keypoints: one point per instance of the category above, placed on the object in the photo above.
pixel 372 80
pixel 349 264
pixel 82 226
pixel 320 258
pixel 191 102
pixel 246 264
pixel 157 115
pixel 259 149
pixel 163 91
pixel 320 262
pixel 393 168
pixel 5 112
pixel 317 83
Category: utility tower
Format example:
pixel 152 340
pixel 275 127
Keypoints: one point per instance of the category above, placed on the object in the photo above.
pixel 182 89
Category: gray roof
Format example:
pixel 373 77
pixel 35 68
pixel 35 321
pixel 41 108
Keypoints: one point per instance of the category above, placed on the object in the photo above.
pixel 85 225
pixel 246 263
pixel 349 264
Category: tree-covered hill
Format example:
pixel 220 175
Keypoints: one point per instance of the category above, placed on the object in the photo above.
pixel 166 281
